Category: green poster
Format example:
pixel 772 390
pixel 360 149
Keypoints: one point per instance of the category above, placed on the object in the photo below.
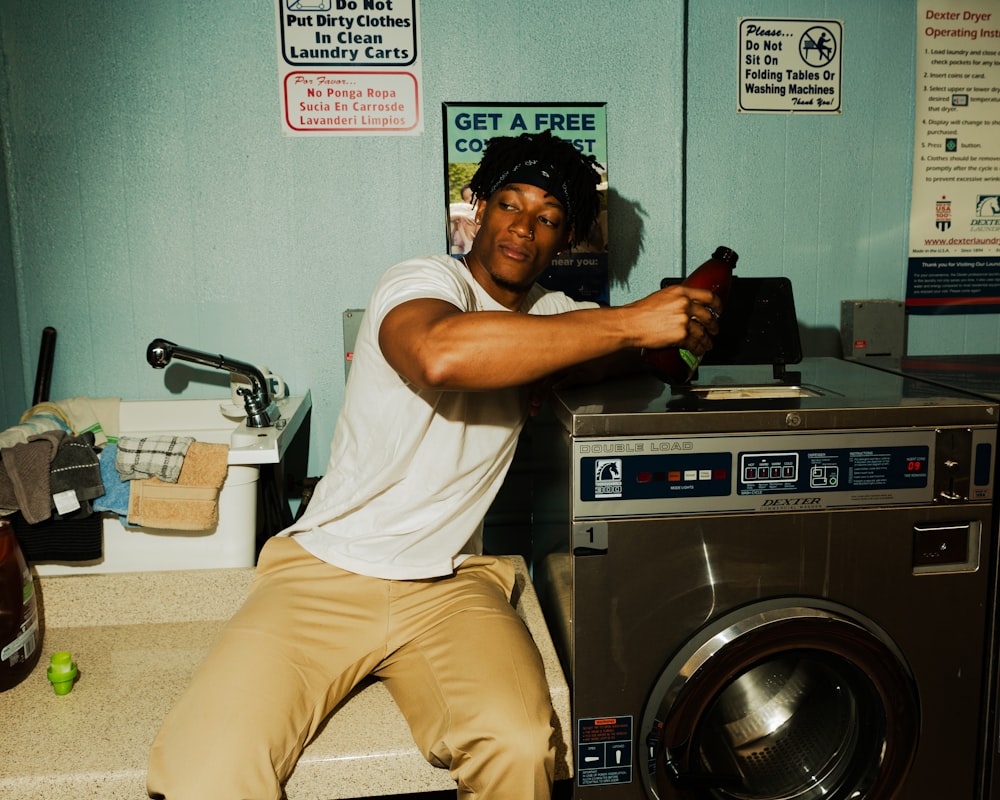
pixel 581 273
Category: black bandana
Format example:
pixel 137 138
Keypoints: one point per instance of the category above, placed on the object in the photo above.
pixel 535 174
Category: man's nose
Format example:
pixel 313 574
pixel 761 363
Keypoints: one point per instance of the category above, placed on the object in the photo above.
pixel 523 226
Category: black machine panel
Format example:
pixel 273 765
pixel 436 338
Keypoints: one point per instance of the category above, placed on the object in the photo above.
pixel 715 474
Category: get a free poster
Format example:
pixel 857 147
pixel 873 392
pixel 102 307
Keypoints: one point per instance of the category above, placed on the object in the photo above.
pixel 582 273
pixel 954 254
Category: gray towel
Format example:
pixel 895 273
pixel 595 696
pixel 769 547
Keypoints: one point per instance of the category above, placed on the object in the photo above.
pixel 76 469
pixel 159 456
pixel 24 475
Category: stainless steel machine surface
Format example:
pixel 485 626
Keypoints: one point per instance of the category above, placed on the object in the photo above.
pixel 979 374
pixel 770 588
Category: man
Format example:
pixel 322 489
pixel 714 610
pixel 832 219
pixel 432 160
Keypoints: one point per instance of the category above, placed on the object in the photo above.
pixel 383 575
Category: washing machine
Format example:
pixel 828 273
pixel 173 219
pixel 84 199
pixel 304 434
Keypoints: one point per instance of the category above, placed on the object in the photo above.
pixel 979 374
pixel 770 584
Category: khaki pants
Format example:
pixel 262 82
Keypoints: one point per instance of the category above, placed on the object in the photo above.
pixel 453 652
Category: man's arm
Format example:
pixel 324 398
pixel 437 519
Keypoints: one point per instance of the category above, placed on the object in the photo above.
pixel 435 345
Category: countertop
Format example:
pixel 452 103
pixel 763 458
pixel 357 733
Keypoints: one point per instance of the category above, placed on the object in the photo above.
pixel 137 638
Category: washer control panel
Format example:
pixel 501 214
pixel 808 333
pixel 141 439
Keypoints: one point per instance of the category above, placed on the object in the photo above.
pixel 773 472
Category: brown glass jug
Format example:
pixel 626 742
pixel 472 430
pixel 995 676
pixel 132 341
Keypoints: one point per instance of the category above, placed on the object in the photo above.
pixel 20 637
pixel 675 365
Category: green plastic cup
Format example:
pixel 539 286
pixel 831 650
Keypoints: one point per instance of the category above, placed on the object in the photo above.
pixel 62 672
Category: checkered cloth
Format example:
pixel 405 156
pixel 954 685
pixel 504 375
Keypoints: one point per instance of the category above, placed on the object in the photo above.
pixel 160 457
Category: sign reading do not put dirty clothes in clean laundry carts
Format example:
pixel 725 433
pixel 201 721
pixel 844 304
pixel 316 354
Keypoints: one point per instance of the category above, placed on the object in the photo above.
pixel 349 67
pixel 790 65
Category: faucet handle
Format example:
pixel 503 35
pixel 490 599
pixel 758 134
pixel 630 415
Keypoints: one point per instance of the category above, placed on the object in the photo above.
pixel 261 410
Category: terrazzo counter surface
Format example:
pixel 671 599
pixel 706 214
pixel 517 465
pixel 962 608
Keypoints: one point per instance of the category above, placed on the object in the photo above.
pixel 137 639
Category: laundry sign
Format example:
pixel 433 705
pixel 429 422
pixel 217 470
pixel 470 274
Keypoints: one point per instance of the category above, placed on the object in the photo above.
pixel 954 263
pixel 349 67
pixel 790 66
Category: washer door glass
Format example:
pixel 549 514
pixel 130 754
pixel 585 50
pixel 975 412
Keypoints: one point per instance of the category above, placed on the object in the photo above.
pixel 794 702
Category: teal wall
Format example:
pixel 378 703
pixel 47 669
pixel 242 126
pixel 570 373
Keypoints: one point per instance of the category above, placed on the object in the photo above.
pixel 821 199
pixel 12 392
pixel 150 192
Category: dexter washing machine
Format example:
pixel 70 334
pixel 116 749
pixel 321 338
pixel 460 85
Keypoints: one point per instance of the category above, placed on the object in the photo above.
pixel 770 585
pixel 979 374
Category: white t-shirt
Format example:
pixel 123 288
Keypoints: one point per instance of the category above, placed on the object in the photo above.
pixel 412 473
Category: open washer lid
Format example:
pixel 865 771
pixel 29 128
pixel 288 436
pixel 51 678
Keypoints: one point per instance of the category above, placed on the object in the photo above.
pixel 758 324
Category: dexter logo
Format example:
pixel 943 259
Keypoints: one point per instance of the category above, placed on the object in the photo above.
pixel 785 502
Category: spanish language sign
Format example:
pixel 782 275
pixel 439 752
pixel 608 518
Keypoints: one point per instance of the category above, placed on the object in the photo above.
pixel 790 65
pixel 349 67
pixel 582 273
pixel 954 263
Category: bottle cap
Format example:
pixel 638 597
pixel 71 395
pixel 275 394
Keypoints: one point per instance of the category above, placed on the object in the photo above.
pixel 725 254
pixel 62 672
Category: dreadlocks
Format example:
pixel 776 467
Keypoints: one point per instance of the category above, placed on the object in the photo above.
pixel 557 166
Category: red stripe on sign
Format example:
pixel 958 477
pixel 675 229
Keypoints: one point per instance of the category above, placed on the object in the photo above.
pixel 951 301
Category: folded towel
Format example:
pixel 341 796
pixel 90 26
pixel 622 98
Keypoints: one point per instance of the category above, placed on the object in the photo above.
pixel 83 418
pixel 24 475
pixel 75 475
pixel 116 490
pixel 190 504
pixel 50 410
pixel 107 410
pixel 32 424
pixel 152 456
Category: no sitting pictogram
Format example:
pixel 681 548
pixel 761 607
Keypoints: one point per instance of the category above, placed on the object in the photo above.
pixel 818 46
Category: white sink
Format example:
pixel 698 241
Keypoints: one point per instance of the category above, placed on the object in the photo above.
pixel 213 420
pixel 232 542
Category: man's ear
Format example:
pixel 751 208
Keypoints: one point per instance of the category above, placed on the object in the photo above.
pixel 480 206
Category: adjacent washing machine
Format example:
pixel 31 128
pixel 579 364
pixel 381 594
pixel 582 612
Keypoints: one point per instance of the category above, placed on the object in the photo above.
pixel 770 585
pixel 979 374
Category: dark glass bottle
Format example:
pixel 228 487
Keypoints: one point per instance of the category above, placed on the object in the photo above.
pixel 675 365
pixel 20 644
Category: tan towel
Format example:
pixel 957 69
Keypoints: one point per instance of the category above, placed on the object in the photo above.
pixel 191 504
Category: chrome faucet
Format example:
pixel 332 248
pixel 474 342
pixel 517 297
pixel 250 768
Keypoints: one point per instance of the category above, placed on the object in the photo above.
pixel 262 411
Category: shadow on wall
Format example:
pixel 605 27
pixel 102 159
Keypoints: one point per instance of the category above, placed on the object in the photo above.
pixel 627 235
pixel 820 341
pixel 177 378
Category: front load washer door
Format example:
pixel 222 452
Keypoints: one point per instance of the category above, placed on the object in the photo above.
pixel 794 698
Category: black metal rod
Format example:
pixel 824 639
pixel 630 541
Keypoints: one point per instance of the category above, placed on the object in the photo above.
pixel 43 375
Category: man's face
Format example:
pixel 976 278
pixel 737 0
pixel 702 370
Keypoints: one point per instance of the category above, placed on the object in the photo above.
pixel 522 229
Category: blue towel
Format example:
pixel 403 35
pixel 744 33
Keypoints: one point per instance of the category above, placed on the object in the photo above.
pixel 116 490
